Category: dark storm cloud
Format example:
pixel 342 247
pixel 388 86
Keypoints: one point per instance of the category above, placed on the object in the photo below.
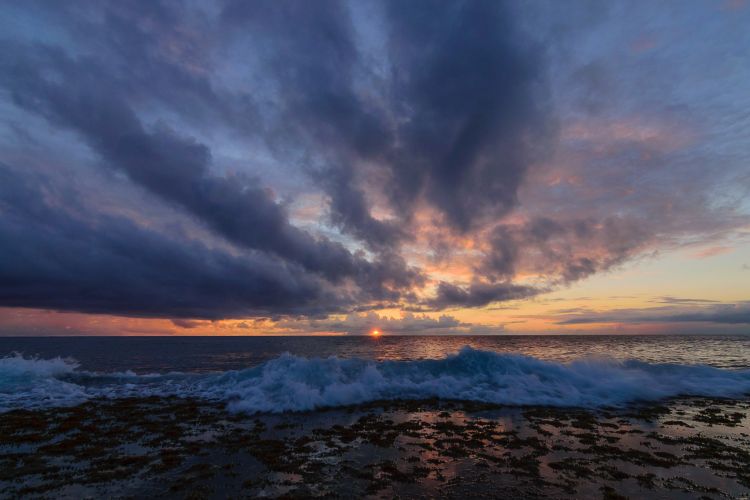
pixel 450 122
pixel 470 95
pixel 79 95
pixel 435 113
pixel 454 120
pixel 308 50
pixel 349 211
pixel 53 259
pixel 310 53
pixel 478 294
pixel 158 52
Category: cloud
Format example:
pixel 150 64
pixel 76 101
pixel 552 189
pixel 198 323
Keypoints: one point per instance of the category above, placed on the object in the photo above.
pixel 478 294
pixel 310 55
pixel 471 89
pixel 562 250
pixel 728 314
pixel 711 252
pixel 350 212
pixel 54 258
pixel 175 168
pixel 462 145
pixel 682 300
pixel 407 324
pixel 495 149
pixel 185 323
pixel 448 121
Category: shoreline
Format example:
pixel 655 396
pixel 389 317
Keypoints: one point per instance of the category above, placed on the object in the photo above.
pixel 180 448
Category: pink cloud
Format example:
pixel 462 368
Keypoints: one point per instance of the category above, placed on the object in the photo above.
pixel 711 252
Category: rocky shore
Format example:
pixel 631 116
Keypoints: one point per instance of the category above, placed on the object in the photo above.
pixel 183 448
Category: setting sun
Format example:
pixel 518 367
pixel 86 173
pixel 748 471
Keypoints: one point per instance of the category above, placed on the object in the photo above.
pixel 375 332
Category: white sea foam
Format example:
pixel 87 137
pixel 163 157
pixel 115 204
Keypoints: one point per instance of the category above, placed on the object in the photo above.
pixel 292 383
pixel 32 383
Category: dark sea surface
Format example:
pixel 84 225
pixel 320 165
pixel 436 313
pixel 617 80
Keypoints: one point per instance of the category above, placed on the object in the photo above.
pixel 389 417
pixel 208 354
pixel 278 374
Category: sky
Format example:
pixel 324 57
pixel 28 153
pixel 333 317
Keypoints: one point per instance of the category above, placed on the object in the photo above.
pixel 425 167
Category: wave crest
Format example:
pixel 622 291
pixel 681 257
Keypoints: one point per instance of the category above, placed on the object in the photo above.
pixel 293 383
pixel 33 382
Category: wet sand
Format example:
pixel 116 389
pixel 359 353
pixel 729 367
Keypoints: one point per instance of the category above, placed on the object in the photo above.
pixel 180 448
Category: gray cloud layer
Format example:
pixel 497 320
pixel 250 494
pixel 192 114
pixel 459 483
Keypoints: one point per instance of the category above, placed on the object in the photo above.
pixel 729 314
pixel 55 259
pixel 464 100
pixel 485 120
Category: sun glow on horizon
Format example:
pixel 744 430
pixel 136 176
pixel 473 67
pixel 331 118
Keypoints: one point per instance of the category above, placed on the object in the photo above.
pixel 375 332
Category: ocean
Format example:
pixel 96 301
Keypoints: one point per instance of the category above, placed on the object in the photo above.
pixel 362 417
pixel 278 374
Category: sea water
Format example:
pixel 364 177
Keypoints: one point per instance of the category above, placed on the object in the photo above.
pixel 277 374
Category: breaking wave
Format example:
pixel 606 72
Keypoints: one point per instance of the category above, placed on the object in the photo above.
pixel 292 383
